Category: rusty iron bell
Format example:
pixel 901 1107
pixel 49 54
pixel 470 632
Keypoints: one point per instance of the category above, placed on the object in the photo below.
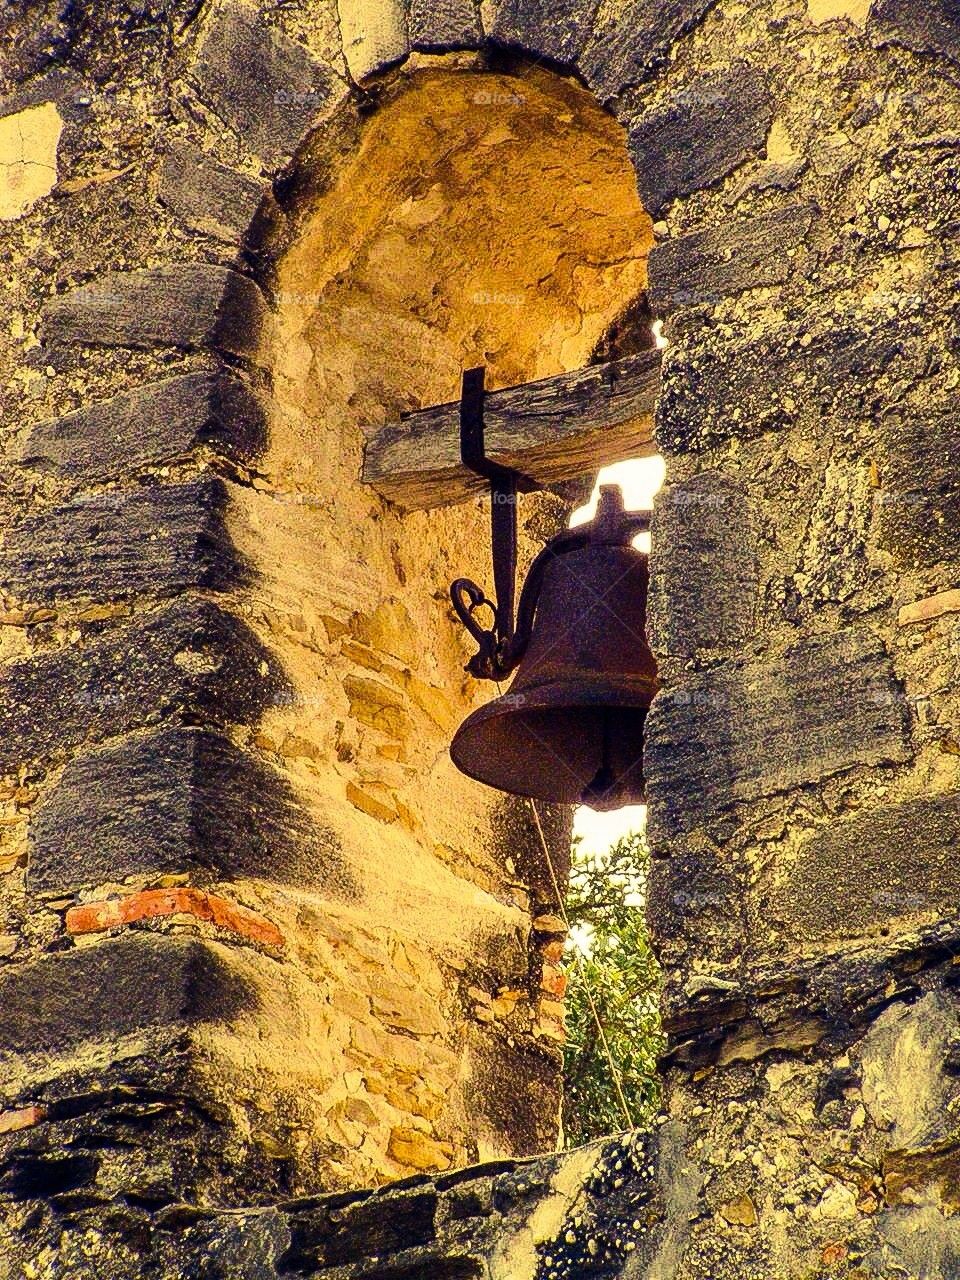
pixel 570 728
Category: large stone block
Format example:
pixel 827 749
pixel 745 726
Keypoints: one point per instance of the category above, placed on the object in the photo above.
pixel 119 987
pixel 896 863
pixel 374 35
pixel 366 1226
pixel 790 1002
pixel 179 799
pixel 917 507
pixel 190 661
pixel 634 43
pixel 927 28
pixel 29 140
pixel 720 388
pixel 148 426
pixel 207 196
pixel 699 134
pixel 708 265
pixel 268 88
pixel 703 573
pixel 554 28
pixel 907 1073
pixel 742 731
pixel 151 541
pixel 192 305
pixel 508 1219
pixel 444 24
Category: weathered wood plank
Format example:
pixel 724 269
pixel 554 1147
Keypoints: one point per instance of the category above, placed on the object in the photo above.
pixel 552 430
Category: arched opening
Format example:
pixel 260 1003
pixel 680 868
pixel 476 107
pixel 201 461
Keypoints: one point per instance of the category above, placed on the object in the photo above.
pixel 474 217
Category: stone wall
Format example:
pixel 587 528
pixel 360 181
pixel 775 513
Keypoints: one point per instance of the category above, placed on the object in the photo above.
pixel 250 908
pixel 799 164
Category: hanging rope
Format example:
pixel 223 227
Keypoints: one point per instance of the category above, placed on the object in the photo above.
pixel 578 962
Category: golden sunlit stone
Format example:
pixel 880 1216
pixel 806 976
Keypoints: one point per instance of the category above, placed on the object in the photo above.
pixel 28 157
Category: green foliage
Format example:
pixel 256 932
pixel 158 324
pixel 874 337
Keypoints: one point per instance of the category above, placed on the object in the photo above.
pixel 610 958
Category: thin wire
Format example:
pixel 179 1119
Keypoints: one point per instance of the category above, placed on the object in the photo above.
pixel 578 962
pixel 577 959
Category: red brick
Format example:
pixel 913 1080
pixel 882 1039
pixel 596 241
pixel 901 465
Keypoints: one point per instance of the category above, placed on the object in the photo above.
pixel 22 1118
pixel 94 917
pixel 553 980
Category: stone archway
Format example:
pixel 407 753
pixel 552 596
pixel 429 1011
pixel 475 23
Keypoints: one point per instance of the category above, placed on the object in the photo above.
pixel 477 216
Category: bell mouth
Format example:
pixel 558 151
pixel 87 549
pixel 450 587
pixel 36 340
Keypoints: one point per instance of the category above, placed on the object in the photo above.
pixel 561 742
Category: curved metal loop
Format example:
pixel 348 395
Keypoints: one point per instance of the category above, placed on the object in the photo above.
pixel 485 664
pixel 464 587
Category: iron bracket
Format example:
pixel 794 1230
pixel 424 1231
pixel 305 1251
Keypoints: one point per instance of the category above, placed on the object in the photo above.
pixel 503 644
pixel 498 650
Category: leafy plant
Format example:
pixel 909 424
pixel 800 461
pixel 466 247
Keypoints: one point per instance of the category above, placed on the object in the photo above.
pixel 613 978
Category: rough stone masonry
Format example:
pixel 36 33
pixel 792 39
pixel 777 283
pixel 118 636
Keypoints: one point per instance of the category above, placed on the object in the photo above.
pixel 261 950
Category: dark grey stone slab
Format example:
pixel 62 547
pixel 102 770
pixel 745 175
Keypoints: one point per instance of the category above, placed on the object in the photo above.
pixel 207 196
pixel 148 426
pixel 699 134
pixel 703 574
pixel 189 662
pixel 917 506
pixel 192 305
pixel 932 27
pixel 151 541
pixel 263 84
pixel 636 42
pixel 447 1228
pixel 124 985
pixel 793 1002
pixel 919 451
pixel 173 800
pixel 556 29
pixel 723 388
pixel 712 264
pixel 920 531
pixel 740 732
pixel 444 24
pixel 894 863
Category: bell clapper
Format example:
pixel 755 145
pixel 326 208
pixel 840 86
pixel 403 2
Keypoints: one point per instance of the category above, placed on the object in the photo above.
pixel 597 791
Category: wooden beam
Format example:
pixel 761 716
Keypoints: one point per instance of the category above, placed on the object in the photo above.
pixel 552 430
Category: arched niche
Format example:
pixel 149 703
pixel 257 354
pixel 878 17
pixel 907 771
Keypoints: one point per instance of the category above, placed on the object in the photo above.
pixel 473 217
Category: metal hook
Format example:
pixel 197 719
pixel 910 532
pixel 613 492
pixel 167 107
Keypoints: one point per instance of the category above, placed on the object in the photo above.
pixel 495 658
